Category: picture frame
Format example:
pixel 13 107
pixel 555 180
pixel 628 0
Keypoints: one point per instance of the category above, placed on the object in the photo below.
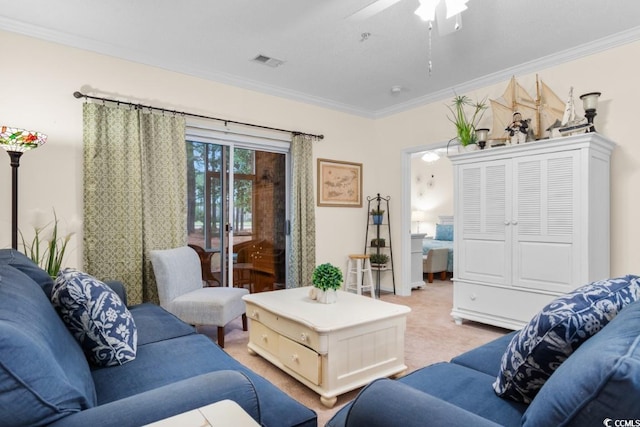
pixel 339 184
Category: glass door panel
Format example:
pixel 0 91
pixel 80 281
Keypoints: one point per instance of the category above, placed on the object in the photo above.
pixel 243 230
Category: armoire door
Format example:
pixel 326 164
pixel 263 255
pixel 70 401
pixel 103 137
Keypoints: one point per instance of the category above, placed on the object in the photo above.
pixel 546 202
pixel 483 252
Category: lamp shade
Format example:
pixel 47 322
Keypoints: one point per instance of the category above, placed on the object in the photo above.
pixel 418 216
pixel 20 140
pixel 482 134
pixel 590 100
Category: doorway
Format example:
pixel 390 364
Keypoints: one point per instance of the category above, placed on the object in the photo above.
pixel 428 192
pixel 237 212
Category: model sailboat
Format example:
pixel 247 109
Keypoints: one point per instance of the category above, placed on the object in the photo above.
pixel 570 124
pixel 541 112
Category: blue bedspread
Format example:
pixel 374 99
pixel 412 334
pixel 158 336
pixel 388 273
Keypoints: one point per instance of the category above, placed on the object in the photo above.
pixel 431 243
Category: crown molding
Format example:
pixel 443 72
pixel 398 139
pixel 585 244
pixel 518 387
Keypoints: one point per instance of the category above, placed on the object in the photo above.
pixel 600 45
pixel 568 55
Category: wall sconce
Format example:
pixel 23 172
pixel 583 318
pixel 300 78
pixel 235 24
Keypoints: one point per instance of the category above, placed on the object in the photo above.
pixel 482 135
pixel 590 103
pixel 15 142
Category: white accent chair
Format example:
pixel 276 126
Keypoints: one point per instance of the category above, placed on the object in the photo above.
pixel 180 289
pixel 436 262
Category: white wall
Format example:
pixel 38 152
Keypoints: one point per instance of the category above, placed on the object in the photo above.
pixel 38 79
pixel 36 86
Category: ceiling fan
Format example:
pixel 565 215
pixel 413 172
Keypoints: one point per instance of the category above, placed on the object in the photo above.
pixel 445 13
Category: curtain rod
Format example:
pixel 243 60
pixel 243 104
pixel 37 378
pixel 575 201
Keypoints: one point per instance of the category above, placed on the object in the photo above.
pixel 79 95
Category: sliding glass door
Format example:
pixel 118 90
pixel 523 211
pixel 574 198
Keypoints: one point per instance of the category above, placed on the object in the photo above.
pixel 237 212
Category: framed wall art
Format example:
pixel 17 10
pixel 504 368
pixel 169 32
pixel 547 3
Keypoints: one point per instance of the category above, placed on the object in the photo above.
pixel 339 183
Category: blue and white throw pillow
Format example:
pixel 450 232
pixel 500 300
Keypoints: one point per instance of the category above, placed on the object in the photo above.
pixel 558 330
pixel 444 232
pixel 96 317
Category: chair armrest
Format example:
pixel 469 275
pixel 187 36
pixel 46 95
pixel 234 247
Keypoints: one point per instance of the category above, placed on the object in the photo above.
pixel 170 400
pixel 385 402
pixel 118 288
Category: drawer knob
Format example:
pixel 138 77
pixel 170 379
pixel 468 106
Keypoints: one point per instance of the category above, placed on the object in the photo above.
pixel 473 297
pixel 264 337
pixel 255 314
pixel 303 337
pixel 294 357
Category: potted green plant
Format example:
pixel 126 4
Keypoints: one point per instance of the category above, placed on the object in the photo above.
pixel 327 278
pixel 378 243
pixel 466 123
pixel 377 215
pixel 379 260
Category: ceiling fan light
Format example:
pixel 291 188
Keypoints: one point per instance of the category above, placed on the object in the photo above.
pixel 455 7
pixel 430 157
pixel 427 10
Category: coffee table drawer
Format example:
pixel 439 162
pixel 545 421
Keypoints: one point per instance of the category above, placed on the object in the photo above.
pixel 264 337
pixel 293 330
pixel 300 359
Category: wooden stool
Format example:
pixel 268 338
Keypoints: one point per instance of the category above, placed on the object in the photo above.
pixel 362 266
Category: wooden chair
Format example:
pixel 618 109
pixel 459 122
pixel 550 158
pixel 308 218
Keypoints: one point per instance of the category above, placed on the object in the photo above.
pixel 211 278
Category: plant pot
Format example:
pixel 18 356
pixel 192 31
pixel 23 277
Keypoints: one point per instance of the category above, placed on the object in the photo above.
pixel 377 219
pixel 470 147
pixel 329 296
pixel 378 266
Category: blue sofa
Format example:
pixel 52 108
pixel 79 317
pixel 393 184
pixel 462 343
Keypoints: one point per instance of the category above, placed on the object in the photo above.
pixel 598 384
pixel 45 378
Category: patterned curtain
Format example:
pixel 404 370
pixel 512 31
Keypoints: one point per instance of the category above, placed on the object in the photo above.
pixel 302 260
pixel 134 193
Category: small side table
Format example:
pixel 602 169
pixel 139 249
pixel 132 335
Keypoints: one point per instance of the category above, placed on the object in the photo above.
pixel 225 413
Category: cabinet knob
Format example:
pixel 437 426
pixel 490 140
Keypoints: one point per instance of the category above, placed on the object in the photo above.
pixel 514 222
pixel 255 314
pixel 507 223
pixel 472 297
pixel 294 357
pixel 303 337
pixel 264 337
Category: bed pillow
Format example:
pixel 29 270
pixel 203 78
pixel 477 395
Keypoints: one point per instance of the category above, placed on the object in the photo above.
pixel 553 334
pixel 96 317
pixel 444 232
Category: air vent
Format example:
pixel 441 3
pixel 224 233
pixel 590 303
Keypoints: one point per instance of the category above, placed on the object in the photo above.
pixel 267 60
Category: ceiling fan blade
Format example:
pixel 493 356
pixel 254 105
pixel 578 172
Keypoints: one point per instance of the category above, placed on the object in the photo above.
pixel 371 10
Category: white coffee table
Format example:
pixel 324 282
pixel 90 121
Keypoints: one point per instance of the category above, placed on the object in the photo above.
pixel 330 348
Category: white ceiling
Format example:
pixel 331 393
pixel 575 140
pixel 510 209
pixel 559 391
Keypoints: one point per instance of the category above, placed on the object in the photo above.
pixel 326 60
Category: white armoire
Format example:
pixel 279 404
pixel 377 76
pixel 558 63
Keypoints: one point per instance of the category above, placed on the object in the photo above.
pixel 531 222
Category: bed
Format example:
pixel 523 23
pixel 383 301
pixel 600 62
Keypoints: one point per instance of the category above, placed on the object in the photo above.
pixel 442 239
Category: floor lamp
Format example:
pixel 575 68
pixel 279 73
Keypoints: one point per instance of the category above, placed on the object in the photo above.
pixel 15 142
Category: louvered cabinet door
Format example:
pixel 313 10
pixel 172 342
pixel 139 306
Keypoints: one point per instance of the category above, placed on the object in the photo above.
pixel 482 251
pixel 545 221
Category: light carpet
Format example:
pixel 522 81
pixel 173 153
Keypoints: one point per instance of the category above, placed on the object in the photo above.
pixel 431 336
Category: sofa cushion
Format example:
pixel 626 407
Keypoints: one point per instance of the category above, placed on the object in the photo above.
pixel 156 324
pixel 485 358
pixel 44 375
pixel 558 330
pixel 165 362
pixel 600 381
pixel 23 263
pixel 447 380
pixel 96 317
